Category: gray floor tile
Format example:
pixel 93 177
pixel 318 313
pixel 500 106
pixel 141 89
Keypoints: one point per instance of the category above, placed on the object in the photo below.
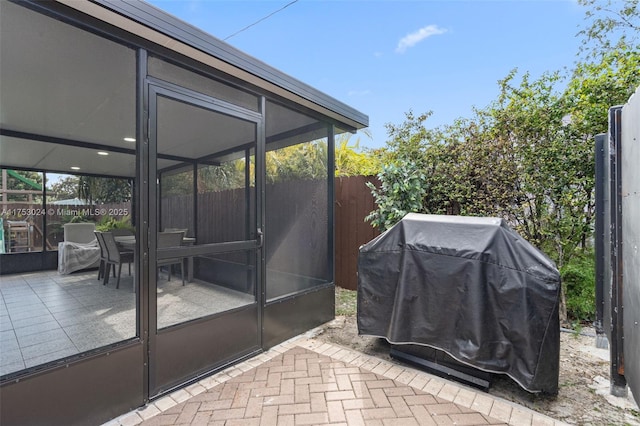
pixel 53 356
pixel 20 302
pixel 60 303
pixel 91 344
pixel 45 348
pixel 38 328
pixel 10 280
pixel 74 320
pixel 70 305
pixel 93 329
pixel 11 366
pixel 38 279
pixel 104 300
pixel 40 338
pixel 53 294
pixel 49 290
pixel 32 311
pixel 5 323
pixel 10 355
pixel 9 343
pixel 33 320
pixel 8 287
pixel 19 288
pixel 7 335
pixel 69 313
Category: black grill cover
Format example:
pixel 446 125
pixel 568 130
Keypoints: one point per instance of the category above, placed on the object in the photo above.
pixel 469 286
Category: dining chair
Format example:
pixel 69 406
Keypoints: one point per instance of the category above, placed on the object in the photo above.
pixel 183 230
pixel 121 232
pixel 104 257
pixel 115 256
pixel 171 239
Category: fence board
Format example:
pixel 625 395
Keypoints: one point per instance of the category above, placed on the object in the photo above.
pixel 222 213
pixel 353 203
pixel 296 228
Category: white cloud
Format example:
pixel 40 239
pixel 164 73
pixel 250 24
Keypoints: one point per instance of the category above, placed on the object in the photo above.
pixel 359 92
pixel 194 6
pixel 415 37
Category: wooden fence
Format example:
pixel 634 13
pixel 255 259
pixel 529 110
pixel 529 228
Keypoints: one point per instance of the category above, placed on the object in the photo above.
pixel 224 216
pixel 353 203
pixel 294 209
pixel 295 229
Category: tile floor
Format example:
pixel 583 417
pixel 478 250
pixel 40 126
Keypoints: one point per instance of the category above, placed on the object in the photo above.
pixel 46 316
pixel 306 381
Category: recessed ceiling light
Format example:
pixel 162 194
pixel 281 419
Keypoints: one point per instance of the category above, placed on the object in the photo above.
pixel 129 139
pixel 102 153
pixel 75 168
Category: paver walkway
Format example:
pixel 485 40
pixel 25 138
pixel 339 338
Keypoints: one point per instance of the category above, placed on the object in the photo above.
pixel 307 382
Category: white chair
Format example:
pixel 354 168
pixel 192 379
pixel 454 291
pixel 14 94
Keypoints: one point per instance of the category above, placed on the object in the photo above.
pixel 82 233
pixel 80 249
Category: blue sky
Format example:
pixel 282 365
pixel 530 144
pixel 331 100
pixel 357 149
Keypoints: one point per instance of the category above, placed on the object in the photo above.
pixel 387 57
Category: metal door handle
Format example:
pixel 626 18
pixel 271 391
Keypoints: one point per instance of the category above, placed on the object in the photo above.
pixel 260 237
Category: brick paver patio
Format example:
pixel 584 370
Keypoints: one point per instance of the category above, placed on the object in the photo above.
pixel 307 382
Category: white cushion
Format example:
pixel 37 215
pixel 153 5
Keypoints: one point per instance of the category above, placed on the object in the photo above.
pixel 79 232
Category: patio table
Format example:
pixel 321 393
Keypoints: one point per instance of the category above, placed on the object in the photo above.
pixel 128 242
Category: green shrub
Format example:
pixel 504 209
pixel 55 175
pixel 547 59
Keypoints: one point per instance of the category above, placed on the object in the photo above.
pixel 402 190
pixel 579 277
pixel 77 219
pixel 107 223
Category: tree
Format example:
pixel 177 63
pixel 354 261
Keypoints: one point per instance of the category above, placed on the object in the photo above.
pixel 475 173
pixel 462 169
pixel 551 205
pixel 178 183
pixel 100 190
pixel 595 86
pixel 301 161
pixel 403 185
pixel 352 161
pixel 609 24
pixel 527 157
pixel 64 188
pixel 410 140
pixel 22 180
pixel 229 175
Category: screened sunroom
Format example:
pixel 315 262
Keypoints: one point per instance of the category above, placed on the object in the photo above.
pixel 167 207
